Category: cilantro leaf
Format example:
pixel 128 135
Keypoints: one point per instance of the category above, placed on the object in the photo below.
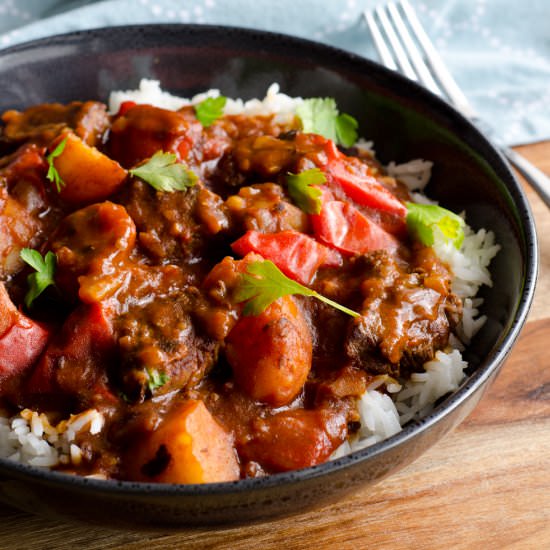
pixel 428 222
pixel 301 188
pixel 164 173
pixel 156 379
pixel 263 283
pixel 53 174
pixel 44 273
pixel 321 116
pixel 209 110
pixel 346 130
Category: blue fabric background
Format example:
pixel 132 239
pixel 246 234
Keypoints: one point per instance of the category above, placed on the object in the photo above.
pixel 498 50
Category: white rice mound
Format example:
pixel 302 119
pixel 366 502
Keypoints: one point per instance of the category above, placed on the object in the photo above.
pixel 30 438
pixel 150 92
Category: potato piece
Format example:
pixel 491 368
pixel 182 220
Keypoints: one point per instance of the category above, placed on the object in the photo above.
pixel 189 446
pixel 271 353
pixel 89 175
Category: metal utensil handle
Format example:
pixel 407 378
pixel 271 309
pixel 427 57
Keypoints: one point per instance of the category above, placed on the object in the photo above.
pixel 535 177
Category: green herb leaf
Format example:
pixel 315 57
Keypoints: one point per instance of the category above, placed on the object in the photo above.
pixel 156 379
pixel 263 283
pixel 321 116
pixel 428 222
pixel 43 277
pixel 209 110
pixel 53 174
pixel 124 397
pixel 301 188
pixel 346 130
pixel 164 173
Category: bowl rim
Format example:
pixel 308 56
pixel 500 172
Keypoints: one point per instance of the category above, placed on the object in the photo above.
pixel 486 369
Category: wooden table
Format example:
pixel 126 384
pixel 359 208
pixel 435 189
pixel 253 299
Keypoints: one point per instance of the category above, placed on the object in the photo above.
pixel 487 485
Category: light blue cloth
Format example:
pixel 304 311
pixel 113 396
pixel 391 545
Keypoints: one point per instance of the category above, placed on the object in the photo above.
pixel 498 50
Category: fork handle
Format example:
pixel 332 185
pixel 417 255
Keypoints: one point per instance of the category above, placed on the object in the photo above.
pixel 534 177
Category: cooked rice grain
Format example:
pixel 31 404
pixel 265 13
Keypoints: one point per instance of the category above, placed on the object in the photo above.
pixel 30 438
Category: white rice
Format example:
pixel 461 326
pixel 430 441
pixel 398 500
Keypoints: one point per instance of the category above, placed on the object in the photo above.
pixel 443 374
pixel 150 92
pixel 415 174
pixel 30 438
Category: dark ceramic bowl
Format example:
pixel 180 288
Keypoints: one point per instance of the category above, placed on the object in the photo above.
pixel 404 121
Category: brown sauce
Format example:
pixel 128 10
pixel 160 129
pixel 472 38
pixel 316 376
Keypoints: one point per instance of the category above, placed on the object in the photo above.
pixel 142 323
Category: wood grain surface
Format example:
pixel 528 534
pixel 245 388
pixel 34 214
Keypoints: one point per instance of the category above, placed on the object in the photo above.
pixel 485 486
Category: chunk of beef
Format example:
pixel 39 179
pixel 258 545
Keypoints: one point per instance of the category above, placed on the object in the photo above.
pixel 405 317
pixel 227 141
pixel 173 226
pixel 264 207
pixel 42 123
pixel 160 347
pixel 263 158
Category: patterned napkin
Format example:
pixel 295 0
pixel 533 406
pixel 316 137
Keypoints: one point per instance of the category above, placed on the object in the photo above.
pixel 499 51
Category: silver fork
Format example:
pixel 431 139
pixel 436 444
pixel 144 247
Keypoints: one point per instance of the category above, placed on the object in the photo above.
pixel 395 27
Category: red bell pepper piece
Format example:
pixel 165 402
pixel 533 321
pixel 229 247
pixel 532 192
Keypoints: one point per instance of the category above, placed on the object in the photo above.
pixel 21 339
pixel 21 345
pixel 342 226
pixel 74 362
pixel 125 106
pixel 361 188
pixel 297 255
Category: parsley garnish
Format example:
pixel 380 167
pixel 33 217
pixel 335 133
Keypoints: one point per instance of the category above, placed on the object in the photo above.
pixel 263 283
pixel 427 222
pixel 321 116
pixel 301 188
pixel 156 379
pixel 53 174
pixel 44 272
pixel 124 397
pixel 164 173
pixel 209 110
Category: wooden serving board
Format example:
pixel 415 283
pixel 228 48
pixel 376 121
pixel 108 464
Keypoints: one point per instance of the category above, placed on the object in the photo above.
pixel 485 486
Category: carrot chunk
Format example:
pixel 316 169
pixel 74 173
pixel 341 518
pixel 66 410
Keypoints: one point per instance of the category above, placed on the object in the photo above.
pixel 189 446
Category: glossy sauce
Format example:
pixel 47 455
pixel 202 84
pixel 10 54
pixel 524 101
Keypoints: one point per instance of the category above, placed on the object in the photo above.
pixel 143 324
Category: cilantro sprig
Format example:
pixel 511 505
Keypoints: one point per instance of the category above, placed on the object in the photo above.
pixel 43 277
pixel 428 222
pixel 209 110
pixel 321 116
pixel 164 173
pixel 156 379
pixel 53 174
pixel 263 283
pixel 302 188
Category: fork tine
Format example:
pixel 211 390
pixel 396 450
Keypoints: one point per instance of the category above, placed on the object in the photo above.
pixel 445 78
pixel 415 56
pixel 400 55
pixel 379 42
